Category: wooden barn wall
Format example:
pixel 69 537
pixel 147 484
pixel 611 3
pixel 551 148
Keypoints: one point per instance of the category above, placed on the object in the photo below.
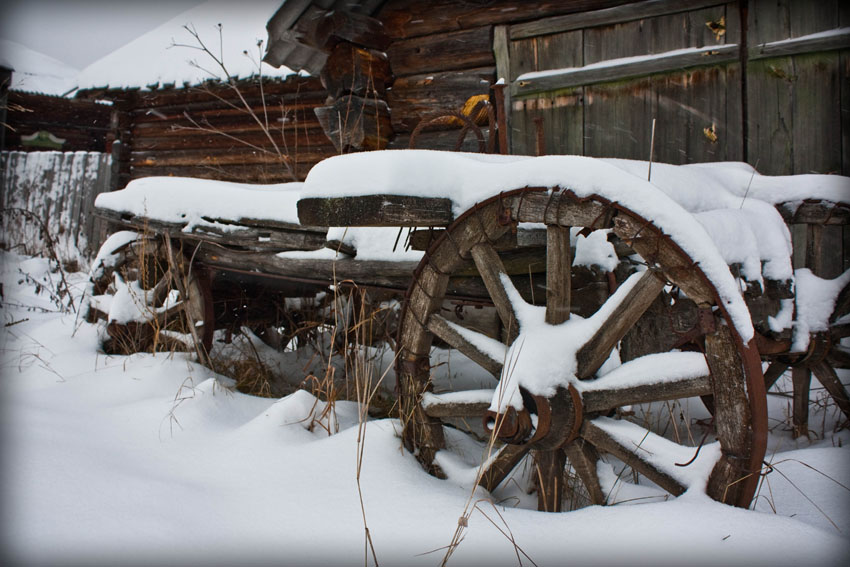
pixel 208 133
pixel 442 54
pixel 784 114
pixel 84 125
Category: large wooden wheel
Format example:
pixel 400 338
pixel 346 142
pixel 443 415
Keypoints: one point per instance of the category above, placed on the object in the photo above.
pixel 573 423
pixel 158 302
pixel 824 355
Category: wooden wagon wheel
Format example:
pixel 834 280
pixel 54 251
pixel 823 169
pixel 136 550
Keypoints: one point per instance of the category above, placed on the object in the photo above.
pixel 823 356
pixel 571 423
pixel 157 303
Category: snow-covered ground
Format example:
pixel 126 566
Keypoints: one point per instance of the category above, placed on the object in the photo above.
pixel 156 460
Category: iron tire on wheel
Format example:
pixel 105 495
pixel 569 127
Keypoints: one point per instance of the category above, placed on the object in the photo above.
pixel 735 380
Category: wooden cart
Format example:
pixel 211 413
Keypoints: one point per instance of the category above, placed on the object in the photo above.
pixel 658 309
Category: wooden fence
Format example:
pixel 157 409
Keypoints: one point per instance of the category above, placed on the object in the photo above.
pixel 56 190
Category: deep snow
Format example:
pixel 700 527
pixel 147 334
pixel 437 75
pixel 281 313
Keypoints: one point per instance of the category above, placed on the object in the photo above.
pixel 153 459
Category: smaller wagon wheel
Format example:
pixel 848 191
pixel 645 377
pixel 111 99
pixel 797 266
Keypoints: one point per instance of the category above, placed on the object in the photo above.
pixel 572 424
pixel 156 304
pixel 824 355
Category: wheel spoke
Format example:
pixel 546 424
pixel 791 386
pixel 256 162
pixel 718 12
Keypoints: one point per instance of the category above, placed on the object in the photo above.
pixel 455 337
pixel 500 466
pixel 490 267
pixel 637 455
pixel 600 399
pixel 558 266
pixel 549 470
pixel 583 458
pixel 622 317
pixel 838 332
pixel 773 373
pixel 838 357
pixel 470 403
pixel 829 379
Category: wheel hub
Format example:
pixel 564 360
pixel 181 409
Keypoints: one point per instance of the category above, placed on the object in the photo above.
pixel 558 420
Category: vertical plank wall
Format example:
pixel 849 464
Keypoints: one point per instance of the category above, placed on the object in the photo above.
pixel 784 113
pixel 59 189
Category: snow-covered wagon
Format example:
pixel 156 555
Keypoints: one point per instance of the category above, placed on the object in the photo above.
pixel 569 307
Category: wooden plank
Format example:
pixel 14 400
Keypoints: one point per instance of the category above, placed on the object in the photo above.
pixel 375 210
pixel 618 119
pixel 243 173
pixel 816 109
pixel 227 156
pixel 608 16
pixel 801 46
pixel 411 18
pixel 291 140
pixel 769 104
pixel 464 49
pixel 589 75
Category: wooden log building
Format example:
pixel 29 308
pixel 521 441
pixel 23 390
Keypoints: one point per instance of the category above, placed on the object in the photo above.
pixel 761 81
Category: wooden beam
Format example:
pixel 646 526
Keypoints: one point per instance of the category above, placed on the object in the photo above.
pixel 606 72
pixel 607 16
pixel 375 210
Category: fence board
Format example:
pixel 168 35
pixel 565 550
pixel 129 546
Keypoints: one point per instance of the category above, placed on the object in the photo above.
pixel 59 189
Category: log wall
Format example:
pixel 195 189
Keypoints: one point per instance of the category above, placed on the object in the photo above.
pixel 208 132
pixel 83 124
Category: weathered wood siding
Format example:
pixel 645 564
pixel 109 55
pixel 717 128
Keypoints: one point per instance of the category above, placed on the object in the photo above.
pixel 208 132
pixel 59 189
pixel 442 54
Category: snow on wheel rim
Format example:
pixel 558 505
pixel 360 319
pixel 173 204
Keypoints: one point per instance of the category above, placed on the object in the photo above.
pixel 551 414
